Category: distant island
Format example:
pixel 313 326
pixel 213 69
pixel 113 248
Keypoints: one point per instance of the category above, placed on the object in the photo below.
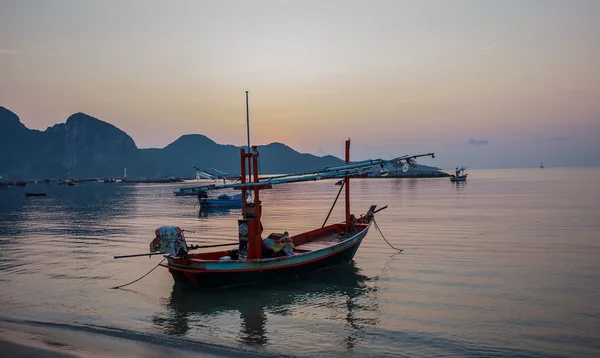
pixel 87 147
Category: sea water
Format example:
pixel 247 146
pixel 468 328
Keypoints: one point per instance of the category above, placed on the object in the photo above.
pixel 505 264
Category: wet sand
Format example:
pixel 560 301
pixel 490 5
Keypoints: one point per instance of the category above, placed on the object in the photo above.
pixel 24 341
pixel 9 350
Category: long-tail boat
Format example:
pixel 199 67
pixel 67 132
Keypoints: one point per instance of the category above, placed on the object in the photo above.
pixel 278 255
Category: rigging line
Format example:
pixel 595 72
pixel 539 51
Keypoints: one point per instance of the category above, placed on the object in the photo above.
pixel 334 202
pixel 378 229
pixel 127 284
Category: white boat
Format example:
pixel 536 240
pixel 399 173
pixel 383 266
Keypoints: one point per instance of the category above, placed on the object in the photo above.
pixel 459 175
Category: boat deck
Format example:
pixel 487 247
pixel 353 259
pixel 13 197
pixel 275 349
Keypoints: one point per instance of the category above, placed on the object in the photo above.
pixel 320 243
pixel 310 241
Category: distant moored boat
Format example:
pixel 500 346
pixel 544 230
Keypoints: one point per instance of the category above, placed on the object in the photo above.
pixel 459 175
pixel 222 201
pixel 35 194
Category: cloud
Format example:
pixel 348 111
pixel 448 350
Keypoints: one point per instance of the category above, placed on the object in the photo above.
pixel 8 52
pixel 488 47
pixel 474 141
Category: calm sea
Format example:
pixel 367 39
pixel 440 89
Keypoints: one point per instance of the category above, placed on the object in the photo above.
pixel 506 264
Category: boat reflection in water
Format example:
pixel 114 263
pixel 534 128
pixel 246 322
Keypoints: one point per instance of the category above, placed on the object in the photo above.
pixel 335 290
pixel 460 185
pixel 209 212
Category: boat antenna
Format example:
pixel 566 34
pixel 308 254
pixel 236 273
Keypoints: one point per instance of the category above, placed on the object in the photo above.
pixel 248 121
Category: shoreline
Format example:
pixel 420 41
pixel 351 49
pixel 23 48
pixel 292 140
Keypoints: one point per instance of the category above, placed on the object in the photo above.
pixel 56 340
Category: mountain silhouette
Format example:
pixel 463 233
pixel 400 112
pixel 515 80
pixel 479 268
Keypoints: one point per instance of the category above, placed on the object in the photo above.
pixel 85 146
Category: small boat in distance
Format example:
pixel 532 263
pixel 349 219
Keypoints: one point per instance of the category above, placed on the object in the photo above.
pixel 195 191
pixel 210 173
pixel 68 182
pixel 35 194
pixel 222 201
pixel 459 175
pixel 5 184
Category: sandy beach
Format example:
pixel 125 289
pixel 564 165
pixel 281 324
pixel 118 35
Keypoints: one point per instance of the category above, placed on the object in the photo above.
pixel 25 341
pixel 10 349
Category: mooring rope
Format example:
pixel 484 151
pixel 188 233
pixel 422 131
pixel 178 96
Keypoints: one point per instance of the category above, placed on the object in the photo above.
pixel 147 273
pixel 378 229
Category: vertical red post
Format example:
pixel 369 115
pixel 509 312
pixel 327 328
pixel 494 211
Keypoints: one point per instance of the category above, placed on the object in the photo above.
pixel 243 237
pixel 254 238
pixel 347 185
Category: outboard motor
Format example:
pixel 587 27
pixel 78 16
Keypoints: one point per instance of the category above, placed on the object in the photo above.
pixel 169 240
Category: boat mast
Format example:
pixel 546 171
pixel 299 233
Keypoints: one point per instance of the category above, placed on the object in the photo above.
pixel 248 131
pixel 251 212
pixel 347 185
pixel 248 121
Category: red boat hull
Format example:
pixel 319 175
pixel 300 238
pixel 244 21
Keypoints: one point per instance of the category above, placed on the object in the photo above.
pixel 213 280
pixel 214 275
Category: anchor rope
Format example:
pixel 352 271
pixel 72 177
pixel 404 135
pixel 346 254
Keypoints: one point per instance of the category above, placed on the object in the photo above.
pixel 378 229
pixel 147 273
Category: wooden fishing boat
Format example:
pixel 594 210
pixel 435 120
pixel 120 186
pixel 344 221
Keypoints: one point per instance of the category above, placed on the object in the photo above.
pixel 313 250
pixel 278 255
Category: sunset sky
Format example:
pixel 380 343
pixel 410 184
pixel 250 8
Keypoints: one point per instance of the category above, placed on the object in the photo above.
pixel 485 84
